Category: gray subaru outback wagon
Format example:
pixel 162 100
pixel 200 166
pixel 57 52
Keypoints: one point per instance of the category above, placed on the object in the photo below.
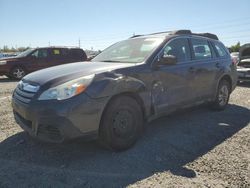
pixel 128 84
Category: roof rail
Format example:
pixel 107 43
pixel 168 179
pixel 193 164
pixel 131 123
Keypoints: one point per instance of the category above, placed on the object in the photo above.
pixel 189 32
pixel 208 35
pixel 183 32
pixel 134 36
pixel 62 47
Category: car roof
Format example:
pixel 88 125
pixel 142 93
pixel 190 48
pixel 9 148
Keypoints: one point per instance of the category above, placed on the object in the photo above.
pixel 170 34
pixel 61 47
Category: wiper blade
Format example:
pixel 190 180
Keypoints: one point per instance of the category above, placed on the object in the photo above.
pixel 115 61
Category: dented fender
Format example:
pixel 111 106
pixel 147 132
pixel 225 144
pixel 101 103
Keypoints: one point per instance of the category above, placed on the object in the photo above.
pixel 110 84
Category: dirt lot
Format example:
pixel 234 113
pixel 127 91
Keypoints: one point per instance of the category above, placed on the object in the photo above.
pixel 195 148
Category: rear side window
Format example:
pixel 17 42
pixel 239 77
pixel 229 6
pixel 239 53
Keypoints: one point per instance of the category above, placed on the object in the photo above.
pixel 178 48
pixel 78 54
pixel 221 51
pixel 65 51
pixel 201 49
pixel 56 52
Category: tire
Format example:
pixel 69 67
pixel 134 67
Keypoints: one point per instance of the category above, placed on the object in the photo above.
pixel 222 96
pixel 17 73
pixel 121 124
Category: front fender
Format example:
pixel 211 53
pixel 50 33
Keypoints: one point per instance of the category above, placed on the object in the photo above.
pixel 110 84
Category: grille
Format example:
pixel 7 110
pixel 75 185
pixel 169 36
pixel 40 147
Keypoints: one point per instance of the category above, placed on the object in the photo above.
pixel 49 132
pixel 23 95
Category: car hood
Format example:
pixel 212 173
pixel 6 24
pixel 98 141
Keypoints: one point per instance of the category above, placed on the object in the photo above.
pixel 62 73
pixel 244 63
pixel 242 69
pixel 10 59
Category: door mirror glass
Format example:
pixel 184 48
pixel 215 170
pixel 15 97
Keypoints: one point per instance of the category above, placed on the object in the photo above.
pixel 167 60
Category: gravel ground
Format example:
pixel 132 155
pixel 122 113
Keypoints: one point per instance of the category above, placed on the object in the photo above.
pixel 195 148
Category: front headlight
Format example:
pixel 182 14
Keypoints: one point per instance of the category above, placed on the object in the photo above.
pixel 68 89
pixel 3 62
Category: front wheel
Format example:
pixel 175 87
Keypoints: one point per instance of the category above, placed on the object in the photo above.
pixel 121 124
pixel 222 96
pixel 17 73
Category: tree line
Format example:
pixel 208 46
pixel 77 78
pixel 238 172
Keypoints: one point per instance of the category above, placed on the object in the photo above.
pixel 7 49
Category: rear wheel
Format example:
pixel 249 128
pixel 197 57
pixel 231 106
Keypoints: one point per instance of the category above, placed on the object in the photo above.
pixel 17 73
pixel 222 96
pixel 121 123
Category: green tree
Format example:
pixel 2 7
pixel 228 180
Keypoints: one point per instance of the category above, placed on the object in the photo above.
pixel 21 49
pixel 13 49
pixel 235 48
pixel 6 48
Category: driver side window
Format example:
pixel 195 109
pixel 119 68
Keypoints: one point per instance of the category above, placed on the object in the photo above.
pixel 178 48
pixel 40 53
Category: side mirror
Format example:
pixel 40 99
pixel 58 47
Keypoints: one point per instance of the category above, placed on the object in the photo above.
pixel 167 60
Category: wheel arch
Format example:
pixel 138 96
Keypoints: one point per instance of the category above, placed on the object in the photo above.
pixel 228 79
pixel 130 94
pixel 16 66
pixel 223 77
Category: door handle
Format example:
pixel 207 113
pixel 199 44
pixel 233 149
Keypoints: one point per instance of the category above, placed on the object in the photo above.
pixel 191 69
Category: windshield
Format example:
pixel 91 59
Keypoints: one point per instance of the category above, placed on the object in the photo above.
pixel 134 50
pixel 25 53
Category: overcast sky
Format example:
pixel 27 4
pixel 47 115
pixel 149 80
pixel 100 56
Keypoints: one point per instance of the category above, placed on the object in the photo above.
pixel 98 24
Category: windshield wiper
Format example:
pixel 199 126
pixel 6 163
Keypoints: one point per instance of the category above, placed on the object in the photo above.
pixel 113 61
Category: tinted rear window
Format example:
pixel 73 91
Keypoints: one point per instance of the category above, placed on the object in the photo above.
pixel 201 49
pixel 76 52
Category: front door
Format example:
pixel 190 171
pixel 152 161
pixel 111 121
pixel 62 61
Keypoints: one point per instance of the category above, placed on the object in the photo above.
pixel 40 59
pixel 171 86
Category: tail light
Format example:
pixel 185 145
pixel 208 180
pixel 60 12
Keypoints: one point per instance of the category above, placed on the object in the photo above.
pixel 234 61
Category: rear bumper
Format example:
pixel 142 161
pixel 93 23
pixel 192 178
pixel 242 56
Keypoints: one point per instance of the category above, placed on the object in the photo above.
pixel 59 121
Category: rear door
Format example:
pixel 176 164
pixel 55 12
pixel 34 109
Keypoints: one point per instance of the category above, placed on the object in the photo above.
pixel 224 61
pixel 171 87
pixel 39 59
pixel 204 68
pixel 59 56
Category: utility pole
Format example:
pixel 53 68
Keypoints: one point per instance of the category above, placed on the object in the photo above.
pixel 79 42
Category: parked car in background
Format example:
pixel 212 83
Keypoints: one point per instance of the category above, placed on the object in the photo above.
pixel 91 54
pixel 243 67
pixel 39 58
pixel 244 56
pixel 133 81
pixel 235 57
pixel 6 55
